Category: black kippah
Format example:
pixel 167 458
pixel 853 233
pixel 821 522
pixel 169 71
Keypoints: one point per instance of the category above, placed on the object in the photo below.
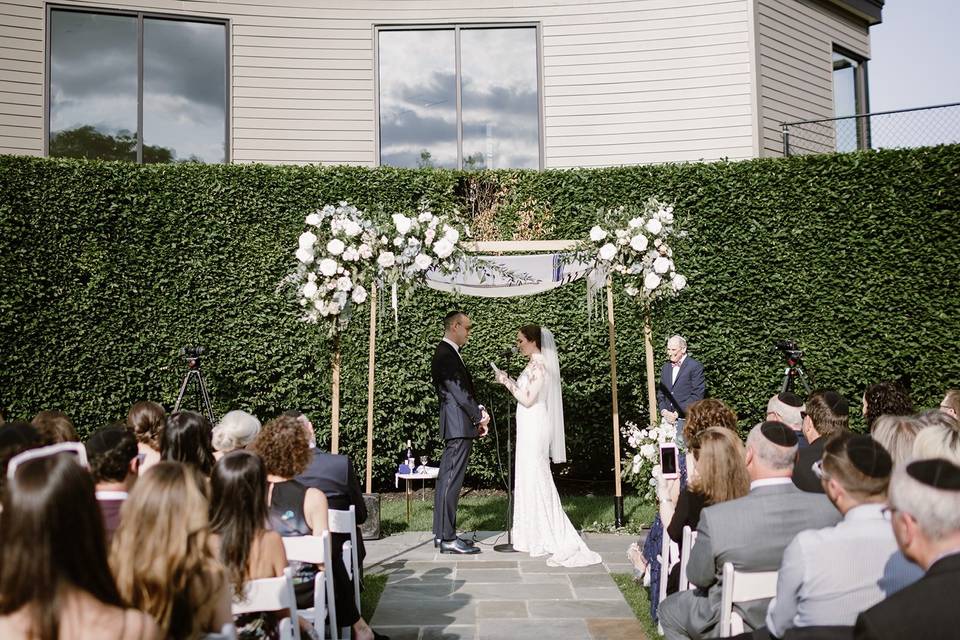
pixel 779 433
pixel 869 457
pixel 104 440
pixel 791 399
pixel 837 403
pixel 937 473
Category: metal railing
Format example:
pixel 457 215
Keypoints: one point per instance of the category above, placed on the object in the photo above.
pixel 902 128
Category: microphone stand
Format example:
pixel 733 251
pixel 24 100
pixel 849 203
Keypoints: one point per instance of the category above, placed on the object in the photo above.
pixel 507 547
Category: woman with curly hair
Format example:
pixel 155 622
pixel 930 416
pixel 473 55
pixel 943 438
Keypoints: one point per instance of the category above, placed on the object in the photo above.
pixel 885 399
pixel 701 415
pixel 147 418
pixel 296 510
pixel 162 556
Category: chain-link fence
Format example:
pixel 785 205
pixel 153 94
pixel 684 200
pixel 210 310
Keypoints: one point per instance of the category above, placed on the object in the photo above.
pixel 926 126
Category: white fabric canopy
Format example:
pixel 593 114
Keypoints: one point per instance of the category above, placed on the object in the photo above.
pixel 541 272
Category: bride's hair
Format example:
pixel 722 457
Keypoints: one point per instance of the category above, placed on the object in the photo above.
pixel 532 333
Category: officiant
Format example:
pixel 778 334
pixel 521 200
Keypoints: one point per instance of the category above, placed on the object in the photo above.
pixel 681 381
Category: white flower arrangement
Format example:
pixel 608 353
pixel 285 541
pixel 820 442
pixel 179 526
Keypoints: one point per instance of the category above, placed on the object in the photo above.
pixel 642 466
pixel 418 244
pixel 634 244
pixel 330 272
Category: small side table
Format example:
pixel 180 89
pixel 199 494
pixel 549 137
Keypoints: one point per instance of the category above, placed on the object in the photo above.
pixel 429 473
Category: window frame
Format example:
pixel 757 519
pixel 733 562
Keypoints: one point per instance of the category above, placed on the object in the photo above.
pixel 140 16
pixel 860 90
pixel 457 27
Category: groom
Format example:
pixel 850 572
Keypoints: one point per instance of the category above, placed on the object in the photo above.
pixel 461 420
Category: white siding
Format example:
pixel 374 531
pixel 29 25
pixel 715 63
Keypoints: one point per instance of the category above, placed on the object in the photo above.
pixel 624 82
pixel 796 40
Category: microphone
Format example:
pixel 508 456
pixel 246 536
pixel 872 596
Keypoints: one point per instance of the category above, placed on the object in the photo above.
pixel 509 353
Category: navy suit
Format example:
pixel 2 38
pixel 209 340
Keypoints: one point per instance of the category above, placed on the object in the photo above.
pixel 459 416
pixel 689 387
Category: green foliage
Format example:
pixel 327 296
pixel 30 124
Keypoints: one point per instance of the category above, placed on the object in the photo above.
pixel 638 597
pixel 109 268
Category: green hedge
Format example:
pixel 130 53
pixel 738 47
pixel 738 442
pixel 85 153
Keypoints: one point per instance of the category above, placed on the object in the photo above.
pixel 109 268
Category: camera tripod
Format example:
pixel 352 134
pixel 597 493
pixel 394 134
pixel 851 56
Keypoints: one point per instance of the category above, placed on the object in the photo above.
pixel 794 369
pixel 193 371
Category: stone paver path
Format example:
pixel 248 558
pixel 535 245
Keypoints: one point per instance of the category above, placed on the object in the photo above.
pixel 503 596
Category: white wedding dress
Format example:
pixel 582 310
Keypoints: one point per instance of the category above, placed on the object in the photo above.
pixel 540 526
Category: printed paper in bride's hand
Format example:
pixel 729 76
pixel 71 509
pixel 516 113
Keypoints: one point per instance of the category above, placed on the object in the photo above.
pixel 499 374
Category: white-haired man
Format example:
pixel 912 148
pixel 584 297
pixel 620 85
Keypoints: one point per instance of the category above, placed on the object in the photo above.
pixel 681 381
pixel 751 532
pixel 787 407
pixel 925 508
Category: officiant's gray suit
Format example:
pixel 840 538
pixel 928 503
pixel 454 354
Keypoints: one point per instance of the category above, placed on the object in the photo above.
pixel 752 533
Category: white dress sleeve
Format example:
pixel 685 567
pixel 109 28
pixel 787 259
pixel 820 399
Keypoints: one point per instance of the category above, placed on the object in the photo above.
pixel 527 395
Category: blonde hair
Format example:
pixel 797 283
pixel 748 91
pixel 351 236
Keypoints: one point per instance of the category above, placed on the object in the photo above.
pixel 938 441
pixel 161 554
pixel 722 471
pixel 896 434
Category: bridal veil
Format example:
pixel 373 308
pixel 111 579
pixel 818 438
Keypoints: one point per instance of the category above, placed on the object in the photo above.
pixel 553 397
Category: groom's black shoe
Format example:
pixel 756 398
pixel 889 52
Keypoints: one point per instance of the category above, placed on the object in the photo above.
pixel 457 546
pixel 437 541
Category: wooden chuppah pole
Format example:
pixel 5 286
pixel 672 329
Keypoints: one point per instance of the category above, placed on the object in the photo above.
pixel 648 348
pixel 618 494
pixel 370 379
pixel 335 400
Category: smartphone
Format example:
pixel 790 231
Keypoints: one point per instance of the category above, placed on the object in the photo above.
pixel 669 464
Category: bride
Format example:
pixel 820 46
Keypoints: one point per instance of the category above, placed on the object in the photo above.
pixel 540 527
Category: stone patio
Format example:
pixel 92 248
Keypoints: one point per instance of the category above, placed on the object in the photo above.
pixel 494 595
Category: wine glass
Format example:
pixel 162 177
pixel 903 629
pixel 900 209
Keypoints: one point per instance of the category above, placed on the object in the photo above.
pixel 423 463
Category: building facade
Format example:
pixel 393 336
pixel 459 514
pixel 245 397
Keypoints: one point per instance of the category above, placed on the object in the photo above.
pixel 451 83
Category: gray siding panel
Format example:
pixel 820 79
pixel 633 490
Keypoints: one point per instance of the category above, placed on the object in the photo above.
pixel 796 40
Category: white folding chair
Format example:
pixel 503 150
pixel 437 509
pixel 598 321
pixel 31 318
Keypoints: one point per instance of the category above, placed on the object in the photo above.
pixel 742 586
pixel 228 632
pixel 271 594
pixel 345 522
pixel 75 448
pixel 689 537
pixel 316 550
pixel 669 556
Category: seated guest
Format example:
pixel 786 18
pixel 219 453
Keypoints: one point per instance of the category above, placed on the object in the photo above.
pixel 939 418
pixel 235 430
pixel 719 475
pixel 885 399
pixel 925 506
pixel 937 441
pixel 333 474
pixel 162 556
pixel 787 407
pixel 950 404
pixel 896 434
pixel 247 549
pixel 817 584
pixel 751 532
pixel 54 577
pixel 296 510
pixel 54 427
pixel 827 415
pixel 147 420
pixel 701 415
pixel 15 437
pixel 186 438
pixel 114 464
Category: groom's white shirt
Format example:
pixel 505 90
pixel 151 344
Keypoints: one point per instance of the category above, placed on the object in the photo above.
pixel 455 347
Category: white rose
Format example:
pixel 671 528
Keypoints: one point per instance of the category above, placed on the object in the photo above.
pixel 425 216
pixel 306 240
pixel 311 277
pixel 608 251
pixel 597 234
pixel 678 282
pixel 398 242
pixel 310 289
pixel 654 226
pixel 631 290
pixel 429 236
pixel 313 219
pixel 359 294
pixel 402 223
pixel 386 259
pixel 351 228
pixel 331 285
pixel 639 242
pixel 305 255
pixel 334 308
pixel 662 264
pixel 365 251
pixel 635 222
pixel 423 261
pixel 350 254
pixel 450 234
pixel 344 283
pixel 320 305
pixel 647 451
pixel 335 247
pixel 443 248
pixel 620 233
pixel 652 281
pixel 328 267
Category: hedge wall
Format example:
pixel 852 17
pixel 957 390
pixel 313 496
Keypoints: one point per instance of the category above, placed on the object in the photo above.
pixel 109 268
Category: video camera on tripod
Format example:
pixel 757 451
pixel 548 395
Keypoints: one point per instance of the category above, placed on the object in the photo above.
pixel 191 356
pixel 794 369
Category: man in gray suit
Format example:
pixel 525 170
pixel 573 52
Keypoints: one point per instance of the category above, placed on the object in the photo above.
pixel 751 532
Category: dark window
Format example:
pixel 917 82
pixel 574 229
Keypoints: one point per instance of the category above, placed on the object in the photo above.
pixel 96 83
pixel 849 99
